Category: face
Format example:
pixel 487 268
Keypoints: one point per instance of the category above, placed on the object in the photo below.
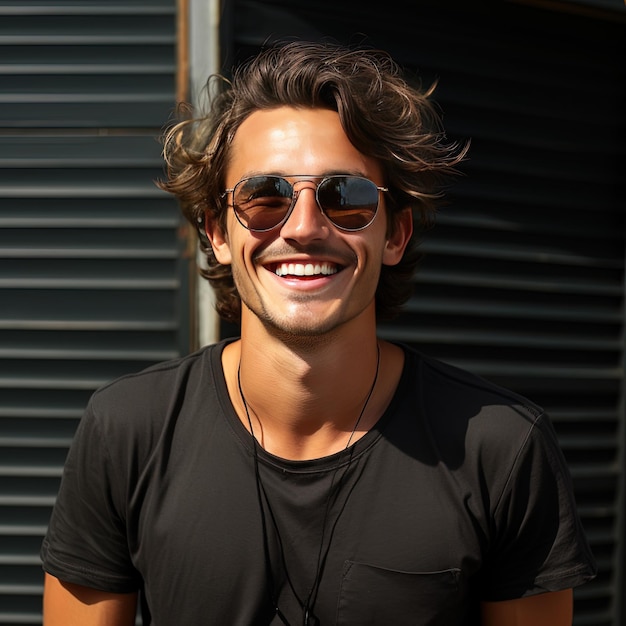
pixel 304 277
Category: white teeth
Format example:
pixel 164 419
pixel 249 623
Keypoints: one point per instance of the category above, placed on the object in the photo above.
pixel 308 269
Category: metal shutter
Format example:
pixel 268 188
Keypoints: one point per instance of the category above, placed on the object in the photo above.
pixel 523 276
pixel 93 285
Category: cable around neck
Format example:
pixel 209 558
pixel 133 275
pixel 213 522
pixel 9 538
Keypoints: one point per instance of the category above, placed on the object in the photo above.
pixel 308 605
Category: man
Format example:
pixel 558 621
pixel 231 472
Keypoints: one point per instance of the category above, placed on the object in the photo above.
pixel 309 472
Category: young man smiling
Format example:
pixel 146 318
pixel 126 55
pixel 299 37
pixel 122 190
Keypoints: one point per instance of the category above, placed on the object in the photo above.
pixel 310 472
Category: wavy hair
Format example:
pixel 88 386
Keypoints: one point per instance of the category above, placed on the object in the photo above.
pixel 381 113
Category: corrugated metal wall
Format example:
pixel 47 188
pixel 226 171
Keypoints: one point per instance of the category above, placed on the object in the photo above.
pixel 91 273
pixel 523 276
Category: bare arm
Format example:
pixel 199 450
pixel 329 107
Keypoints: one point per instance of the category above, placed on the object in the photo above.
pixel 67 604
pixel 546 609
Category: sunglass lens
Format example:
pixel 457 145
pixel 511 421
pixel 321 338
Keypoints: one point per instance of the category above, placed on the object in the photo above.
pixel 350 202
pixel 262 202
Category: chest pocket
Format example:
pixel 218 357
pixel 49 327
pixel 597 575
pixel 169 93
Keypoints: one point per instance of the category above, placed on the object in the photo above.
pixel 371 595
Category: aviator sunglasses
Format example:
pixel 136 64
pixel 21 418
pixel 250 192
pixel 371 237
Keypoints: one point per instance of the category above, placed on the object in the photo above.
pixel 262 203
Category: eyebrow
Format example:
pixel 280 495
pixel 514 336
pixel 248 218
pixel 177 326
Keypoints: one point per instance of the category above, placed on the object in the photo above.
pixel 324 174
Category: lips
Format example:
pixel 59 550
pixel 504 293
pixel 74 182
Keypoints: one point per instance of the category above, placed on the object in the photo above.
pixel 305 269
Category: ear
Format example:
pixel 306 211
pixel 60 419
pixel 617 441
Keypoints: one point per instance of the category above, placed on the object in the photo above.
pixel 399 238
pixel 218 239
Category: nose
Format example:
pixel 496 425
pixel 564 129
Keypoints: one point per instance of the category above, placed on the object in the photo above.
pixel 306 221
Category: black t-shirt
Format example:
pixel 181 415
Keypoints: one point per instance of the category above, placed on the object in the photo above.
pixel 458 494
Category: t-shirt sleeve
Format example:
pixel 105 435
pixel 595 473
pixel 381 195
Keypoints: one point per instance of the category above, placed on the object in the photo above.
pixel 86 542
pixel 538 542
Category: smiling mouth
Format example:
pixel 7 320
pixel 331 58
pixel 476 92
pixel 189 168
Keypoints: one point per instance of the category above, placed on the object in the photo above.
pixel 306 269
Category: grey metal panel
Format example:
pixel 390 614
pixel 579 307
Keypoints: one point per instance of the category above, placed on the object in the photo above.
pixel 86 64
pixel 522 279
pixel 91 276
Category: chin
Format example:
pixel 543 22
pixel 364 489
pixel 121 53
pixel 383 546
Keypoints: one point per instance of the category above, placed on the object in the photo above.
pixel 311 328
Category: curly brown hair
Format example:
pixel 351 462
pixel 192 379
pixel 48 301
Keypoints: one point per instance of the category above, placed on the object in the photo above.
pixel 381 113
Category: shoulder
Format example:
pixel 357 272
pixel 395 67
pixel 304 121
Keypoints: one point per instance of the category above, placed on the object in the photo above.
pixel 444 385
pixel 468 416
pixel 153 385
pixel 135 409
pixel 130 419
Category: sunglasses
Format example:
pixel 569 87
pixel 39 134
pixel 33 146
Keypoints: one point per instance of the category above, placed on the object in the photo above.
pixel 262 203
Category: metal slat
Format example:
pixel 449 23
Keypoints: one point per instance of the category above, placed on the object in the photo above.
pixel 512 311
pixel 530 283
pixel 53 150
pixel 510 338
pixel 89 8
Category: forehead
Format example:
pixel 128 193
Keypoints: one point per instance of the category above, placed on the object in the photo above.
pixel 289 140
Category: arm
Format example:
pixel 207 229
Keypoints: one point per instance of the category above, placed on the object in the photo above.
pixel 546 609
pixel 67 604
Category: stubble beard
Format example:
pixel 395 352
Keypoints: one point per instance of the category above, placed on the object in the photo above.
pixel 300 332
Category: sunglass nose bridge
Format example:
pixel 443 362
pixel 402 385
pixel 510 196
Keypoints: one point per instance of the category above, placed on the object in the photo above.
pixel 295 195
pixel 303 185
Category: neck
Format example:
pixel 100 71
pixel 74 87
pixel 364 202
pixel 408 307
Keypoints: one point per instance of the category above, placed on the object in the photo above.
pixel 299 437
pixel 304 401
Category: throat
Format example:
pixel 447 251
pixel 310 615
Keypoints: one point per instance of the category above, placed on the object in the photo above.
pixel 305 439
